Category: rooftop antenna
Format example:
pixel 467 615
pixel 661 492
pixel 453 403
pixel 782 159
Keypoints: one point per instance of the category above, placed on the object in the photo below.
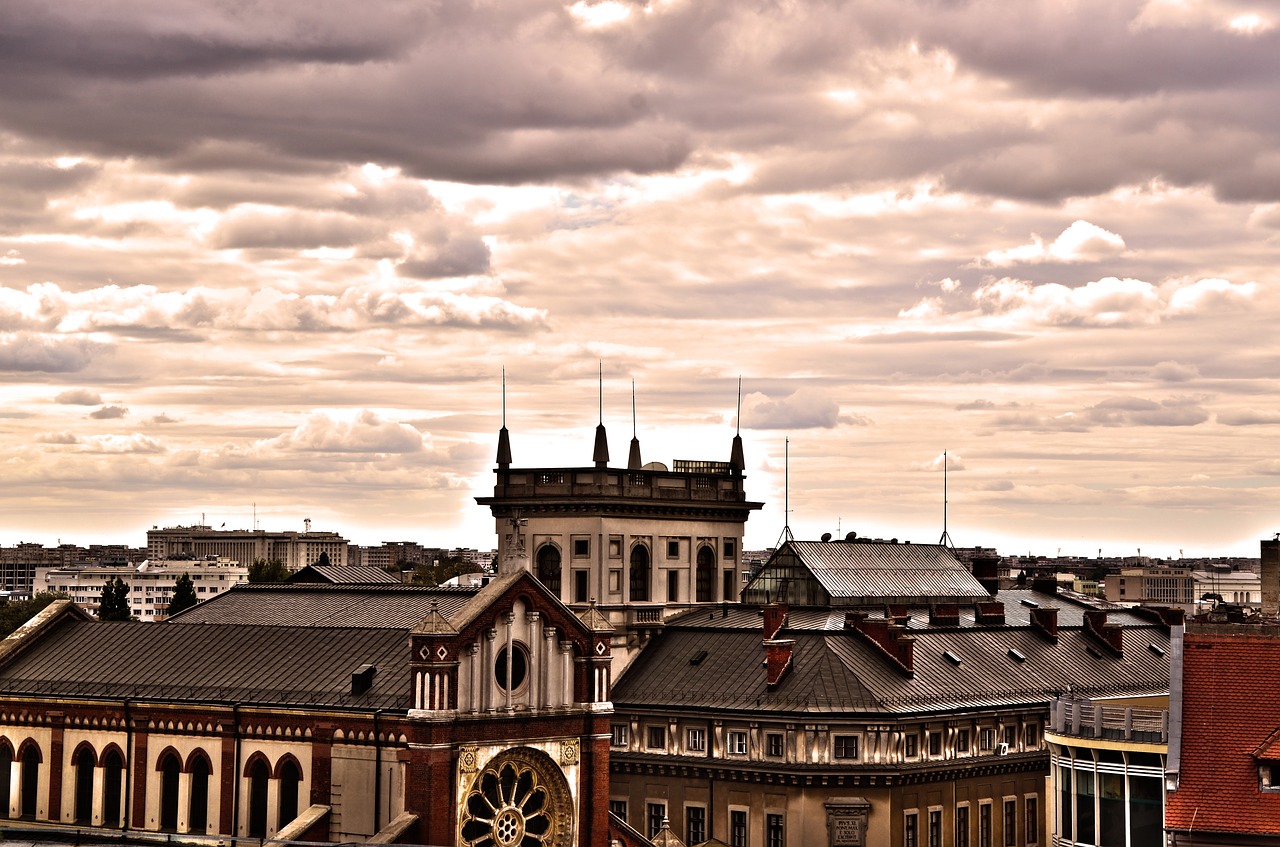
pixel 786 495
pixel 945 540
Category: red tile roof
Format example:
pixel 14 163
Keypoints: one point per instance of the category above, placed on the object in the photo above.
pixel 1228 711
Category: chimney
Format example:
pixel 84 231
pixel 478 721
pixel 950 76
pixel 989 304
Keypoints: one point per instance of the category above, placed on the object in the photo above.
pixel 1045 584
pixel 887 636
pixel 1166 616
pixel 1110 635
pixel 1271 577
pixel 987 614
pixel 362 679
pixel 944 614
pixel 778 653
pixel 775 618
pixel 986 569
pixel 1045 620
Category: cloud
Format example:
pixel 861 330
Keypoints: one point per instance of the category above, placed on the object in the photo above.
pixel 1171 371
pixel 58 438
pixel 366 433
pixel 952 461
pixel 25 352
pixel 1206 295
pixel 108 413
pixel 1248 417
pixel 123 444
pixel 1080 242
pixel 1138 411
pixel 161 418
pixel 78 397
pixel 805 408
pixel 974 405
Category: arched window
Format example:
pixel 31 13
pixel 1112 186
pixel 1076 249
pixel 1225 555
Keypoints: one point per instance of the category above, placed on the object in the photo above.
pixel 706 575
pixel 6 767
pixel 112 770
pixel 85 765
pixel 290 776
pixel 549 567
pixel 259 773
pixel 30 782
pixel 198 809
pixel 639 573
pixel 170 767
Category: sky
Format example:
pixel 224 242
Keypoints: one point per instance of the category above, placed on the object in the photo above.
pixel 269 260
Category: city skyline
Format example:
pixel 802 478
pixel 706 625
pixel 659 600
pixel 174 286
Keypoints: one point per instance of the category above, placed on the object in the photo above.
pixel 281 255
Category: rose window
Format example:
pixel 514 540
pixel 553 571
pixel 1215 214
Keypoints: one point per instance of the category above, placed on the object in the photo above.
pixel 519 800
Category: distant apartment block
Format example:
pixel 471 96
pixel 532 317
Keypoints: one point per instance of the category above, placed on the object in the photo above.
pixel 18 564
pixel 295 549
pixel 150 584
pixel 1165 586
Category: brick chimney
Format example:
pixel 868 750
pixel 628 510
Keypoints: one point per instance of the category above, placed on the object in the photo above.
pixel 1110 635
pixel 1166 616
pixel 944 614
pixel 986 569
pixel 1271 578
pixel 889 637
pixel 986 614
pixel 778 653
pixel 1045 620
pixel 775 618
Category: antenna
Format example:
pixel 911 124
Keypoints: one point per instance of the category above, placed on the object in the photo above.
pixel 600 391
pixel 945 540
pixel 504 397
pixel 786 495
pixel 633 408
pixel 738 419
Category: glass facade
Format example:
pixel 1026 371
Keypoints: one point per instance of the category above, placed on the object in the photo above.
pixel 1108 797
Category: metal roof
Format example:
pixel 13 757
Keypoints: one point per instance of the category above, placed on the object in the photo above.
pixel 344 574
pixel 399 607
pixel 213 664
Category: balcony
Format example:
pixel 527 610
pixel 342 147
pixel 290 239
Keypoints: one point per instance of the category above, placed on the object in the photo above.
pixel 1094 719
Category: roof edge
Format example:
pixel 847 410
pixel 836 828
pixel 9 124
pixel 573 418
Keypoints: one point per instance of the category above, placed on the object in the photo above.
pixel 46 619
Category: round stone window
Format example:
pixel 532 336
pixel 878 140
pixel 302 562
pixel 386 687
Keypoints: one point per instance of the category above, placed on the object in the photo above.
pixel 518 659
pixel 520 799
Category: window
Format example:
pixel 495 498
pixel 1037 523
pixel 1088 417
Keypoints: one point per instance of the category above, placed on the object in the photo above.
pixel 697 742
pixel 695 824
pixel 910 745
pixel 935 744
pixel 773 744
pixel 774 834
pixel 846 746
pixel 962 826
pixel 618 735
pixel 619 808
pixel 673 549
pixel 730 548
pixel 962 741
pixel 705 575
pixel 549 568
pixel 1010 822
pixel 935 828
pixel 639 581
pixel 729 593
pixel 198 805
pixel 911 830
pixel 737 743
pixel 615 548
pixel 657 814
pixel 737 828
pixel 986 738
pixel 1031 805
pixel 1011 736
pixel 1032 736
pixel 511 669
pixel 580 586
pixel 984 825
pixel 581 548
pixel 673 586
pixel 657 738
pixel 287 808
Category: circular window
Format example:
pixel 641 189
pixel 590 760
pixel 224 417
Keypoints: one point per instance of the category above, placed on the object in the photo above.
pixel 518 800
pixel 518 660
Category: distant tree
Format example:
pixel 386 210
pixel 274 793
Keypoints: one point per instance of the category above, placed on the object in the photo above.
pixel 184 595
pixel 441 570
pixel 14 614
pixel 268 570
pixel 323 561
pixel 114 605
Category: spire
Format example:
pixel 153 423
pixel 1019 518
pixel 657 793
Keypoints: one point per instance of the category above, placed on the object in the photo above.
pixel 504 438
pixel 601 453
pixel 633 460
pixel 738 461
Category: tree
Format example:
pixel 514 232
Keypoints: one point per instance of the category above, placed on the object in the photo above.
pixel 323 561
pixel 441 570
pixel 268 570
pixel 17 612
pixel 184 596
pixel 114 605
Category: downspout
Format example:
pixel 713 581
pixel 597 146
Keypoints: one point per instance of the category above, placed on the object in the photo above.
pixel 377 772
pixel 128 767
pixel 235 777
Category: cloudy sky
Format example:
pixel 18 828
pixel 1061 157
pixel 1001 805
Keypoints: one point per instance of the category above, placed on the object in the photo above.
pixel 278 253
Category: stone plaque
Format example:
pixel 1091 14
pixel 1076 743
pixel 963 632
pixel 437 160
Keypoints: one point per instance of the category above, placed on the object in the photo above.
pixel 847 821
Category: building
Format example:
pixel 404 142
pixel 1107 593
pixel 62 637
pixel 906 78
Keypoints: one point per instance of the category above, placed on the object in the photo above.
pixel 1223 585
pixel 151 583
pixel 643 541
pixel 316 712
pixel 1107 767
pixel 866 693
pixel 1162 586
pixel 18 564
pixel 295 549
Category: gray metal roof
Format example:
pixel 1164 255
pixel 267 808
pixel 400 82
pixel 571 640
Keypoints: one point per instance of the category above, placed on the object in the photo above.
pixel 344 574
pixel 399 607
pixel 214 664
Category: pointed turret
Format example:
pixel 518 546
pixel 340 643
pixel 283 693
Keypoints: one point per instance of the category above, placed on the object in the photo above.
pixel 737 460
pixel 634 462
pixel 504 437
pixel 601 453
